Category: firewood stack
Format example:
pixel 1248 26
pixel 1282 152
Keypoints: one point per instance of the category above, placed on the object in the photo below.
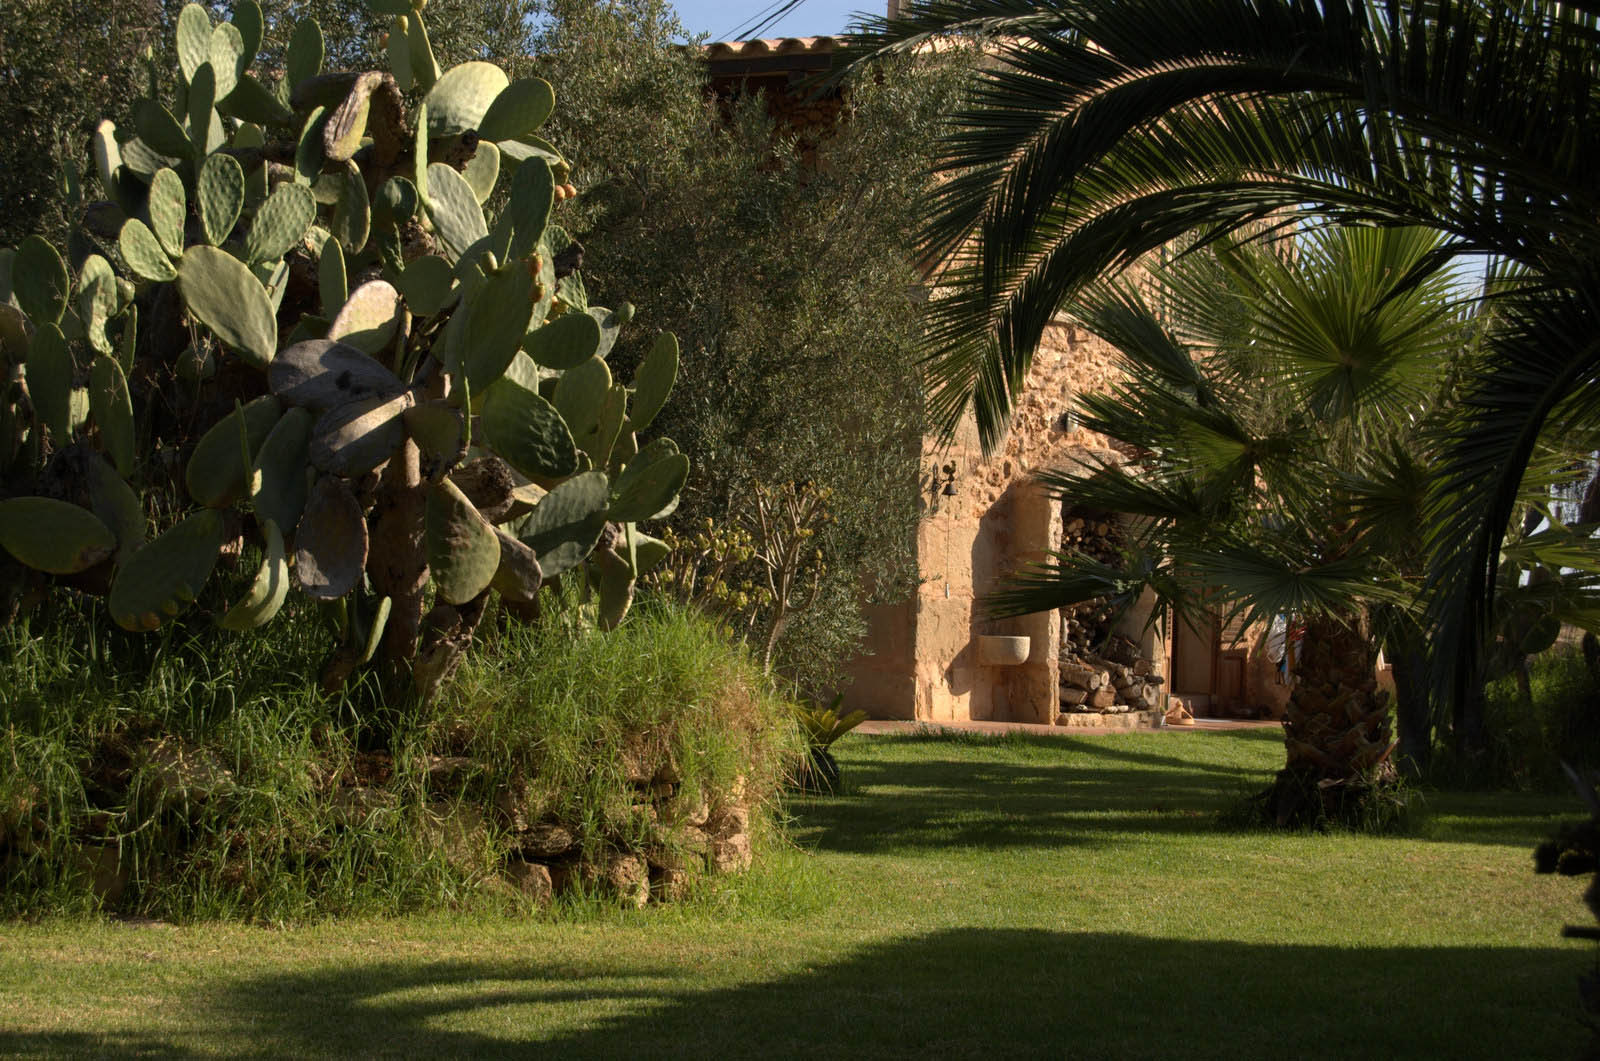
pixel 1101 672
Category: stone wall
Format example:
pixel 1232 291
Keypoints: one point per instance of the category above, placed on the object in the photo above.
pixel 922 656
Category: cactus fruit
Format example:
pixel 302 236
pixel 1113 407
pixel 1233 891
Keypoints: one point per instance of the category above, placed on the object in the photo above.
pixel 228 299
pixel 54 536
pixel 463 552
pixel 161 576
pixel 218 472
pixel 269 590
pixel 331 542
pixel 369 318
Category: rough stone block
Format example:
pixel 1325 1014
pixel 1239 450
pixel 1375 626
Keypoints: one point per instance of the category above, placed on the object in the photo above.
pixel 531 879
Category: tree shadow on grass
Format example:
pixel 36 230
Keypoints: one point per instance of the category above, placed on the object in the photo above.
pixel 964 992
pixel 1066 792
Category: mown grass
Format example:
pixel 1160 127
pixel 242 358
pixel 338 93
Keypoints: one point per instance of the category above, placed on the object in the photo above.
pixel 959 898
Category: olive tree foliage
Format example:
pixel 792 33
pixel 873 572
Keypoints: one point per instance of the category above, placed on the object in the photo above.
pixel 792 289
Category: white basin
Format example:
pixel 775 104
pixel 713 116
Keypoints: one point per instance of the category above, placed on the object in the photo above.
pixel 1002 650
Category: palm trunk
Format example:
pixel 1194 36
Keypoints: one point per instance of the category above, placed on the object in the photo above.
pixel 1413 704
pixel 1336 730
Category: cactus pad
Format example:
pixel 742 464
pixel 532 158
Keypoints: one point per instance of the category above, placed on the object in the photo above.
pixel 167 206
pixel 483 170
pixel 303 60
pixel 566 343
pixel 280 223
pixel 352 214
pixel 228 299
pixel 649 483
pixel 458 102
pixel 331 542
pixel 97 301
pixel 519 109
pixel 454 208
pixel 217 474
pixel 194 39
pixel 369 319
pixel 463 552
pixel 49 373
pixel 159 129
pixel 53 536
pixel 427 284
pixel 582 392
pixel 278 484
pixel 497 320
pixel 616 589
pixel 519 576
pixel 269 590
pixel 143 252
pixel 567 522
pixel 117 506
pixel 39 281
pixel 360 435
pixel 527 432
pixel 532 196
pixel 112 409
pixel 220 192
pixel 320 374
pixel 653 381
pixel 165 574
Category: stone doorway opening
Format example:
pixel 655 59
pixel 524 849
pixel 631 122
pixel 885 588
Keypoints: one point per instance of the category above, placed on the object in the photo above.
pixel 1110 663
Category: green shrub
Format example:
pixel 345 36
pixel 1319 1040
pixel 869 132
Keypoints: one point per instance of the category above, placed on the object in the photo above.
pixel 198 776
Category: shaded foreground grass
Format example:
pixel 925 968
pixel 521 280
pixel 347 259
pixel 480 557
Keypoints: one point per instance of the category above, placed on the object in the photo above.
pixel 961 897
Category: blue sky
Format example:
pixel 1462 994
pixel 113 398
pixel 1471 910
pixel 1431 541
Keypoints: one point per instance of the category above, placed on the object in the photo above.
pixel 809 18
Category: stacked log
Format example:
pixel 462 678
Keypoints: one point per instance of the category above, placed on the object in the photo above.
pixel 1100 671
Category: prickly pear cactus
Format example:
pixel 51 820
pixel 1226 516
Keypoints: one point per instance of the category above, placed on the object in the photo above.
pixel 292 323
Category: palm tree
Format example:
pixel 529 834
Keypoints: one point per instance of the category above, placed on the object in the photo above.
pixel 1103 129
pixel 1279 400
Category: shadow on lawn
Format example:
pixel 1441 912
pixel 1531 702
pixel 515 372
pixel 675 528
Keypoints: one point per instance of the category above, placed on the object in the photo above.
pixel 1068 791
pixel 1088 791
pixel 958 993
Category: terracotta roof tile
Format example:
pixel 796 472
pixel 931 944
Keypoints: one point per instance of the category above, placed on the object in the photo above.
pixel 768 46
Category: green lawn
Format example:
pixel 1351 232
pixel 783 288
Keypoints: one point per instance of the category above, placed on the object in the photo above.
pixel 964 897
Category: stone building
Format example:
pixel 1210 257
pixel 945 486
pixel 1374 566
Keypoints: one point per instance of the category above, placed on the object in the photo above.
pixel 934 657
